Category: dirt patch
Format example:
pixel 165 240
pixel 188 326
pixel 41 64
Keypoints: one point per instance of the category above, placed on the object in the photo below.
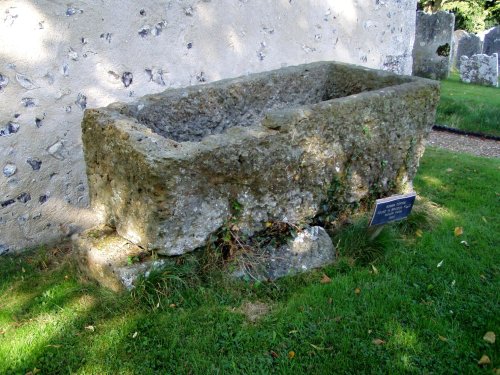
pixel 254 311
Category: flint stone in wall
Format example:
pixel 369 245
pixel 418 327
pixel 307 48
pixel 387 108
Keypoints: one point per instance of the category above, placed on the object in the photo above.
pixel 9 170
pixel 4 81
pixel 492 42
pixel 4 249
pixel 480 69
pixel 433 41
pixel 465 44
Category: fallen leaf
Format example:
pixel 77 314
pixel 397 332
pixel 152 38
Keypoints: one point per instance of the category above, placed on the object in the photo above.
pixel 440 263
pixel 453 283
pixel 357 291
pixel 274 354
pixel 337 319
pixel 325 279
pixel 291 354
pixel 378 341
pixel 374 269
pixel 330 301
pixel 419 233
pixel 2 332
pixel 484 219
pixel 464 243
pixel 458 231
pixel 449 170
pixel 172 305
pixel 442 338
pixel 370 331
pixel 90 328
pixel 53 346
pixel 268 224
pixel 490 337
pixel 135 334
pixel 485 360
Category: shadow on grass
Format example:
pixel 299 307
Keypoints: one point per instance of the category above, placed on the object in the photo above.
pixel 59 322
pixel 424 307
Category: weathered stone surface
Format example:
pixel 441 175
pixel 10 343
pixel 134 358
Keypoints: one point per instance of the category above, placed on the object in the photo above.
pixel 286 146
pixel 433 41
pixel 480 69
pixel 112 260
pixel 492 42
pixel 465 44
pixel 311 248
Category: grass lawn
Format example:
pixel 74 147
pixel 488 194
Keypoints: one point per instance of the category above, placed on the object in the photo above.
pixel 469 107
pixel 423 306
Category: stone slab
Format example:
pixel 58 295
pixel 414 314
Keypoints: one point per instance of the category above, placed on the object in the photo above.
pixel 311 248
pixel 111 260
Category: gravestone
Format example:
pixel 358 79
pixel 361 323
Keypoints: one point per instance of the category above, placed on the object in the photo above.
pixel 492 42
pixel 480 69
pixel 432 47
pixel 465 44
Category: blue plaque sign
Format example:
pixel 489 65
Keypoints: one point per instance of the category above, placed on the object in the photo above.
pixel 392 208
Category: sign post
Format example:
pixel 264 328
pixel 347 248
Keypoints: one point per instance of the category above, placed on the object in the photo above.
pixel 390 209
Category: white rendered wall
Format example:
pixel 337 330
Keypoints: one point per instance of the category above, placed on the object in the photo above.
pixel 56 57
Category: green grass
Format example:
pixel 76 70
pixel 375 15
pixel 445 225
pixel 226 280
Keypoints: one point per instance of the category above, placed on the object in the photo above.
pixel 469 107
pixel 430 319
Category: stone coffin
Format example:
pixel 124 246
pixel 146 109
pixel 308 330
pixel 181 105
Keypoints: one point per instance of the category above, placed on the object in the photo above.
pixel 289 145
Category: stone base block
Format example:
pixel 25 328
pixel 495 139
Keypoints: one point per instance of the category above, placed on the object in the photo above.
pixel 311 248
pixel 112 260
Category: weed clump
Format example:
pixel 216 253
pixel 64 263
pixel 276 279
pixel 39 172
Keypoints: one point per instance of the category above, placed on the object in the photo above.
pixel 355 241
pixel 169 285
pixel 424 217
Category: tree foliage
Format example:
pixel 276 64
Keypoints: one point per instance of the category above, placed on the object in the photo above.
pixel 471 15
